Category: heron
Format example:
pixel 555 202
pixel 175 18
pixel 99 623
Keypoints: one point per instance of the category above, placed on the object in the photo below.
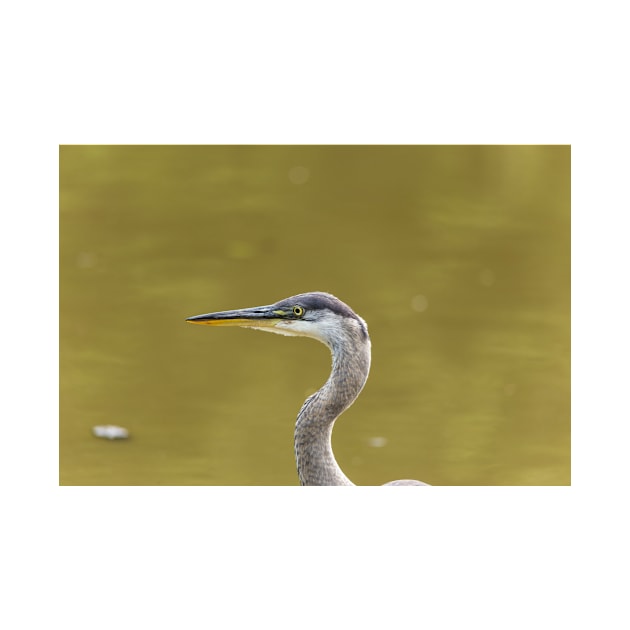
pixel 326 318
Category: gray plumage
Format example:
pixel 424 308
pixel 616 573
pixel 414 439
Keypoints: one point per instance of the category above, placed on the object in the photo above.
pixel 323 317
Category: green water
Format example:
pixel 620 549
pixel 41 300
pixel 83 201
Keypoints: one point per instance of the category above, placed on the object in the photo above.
pixel 457 257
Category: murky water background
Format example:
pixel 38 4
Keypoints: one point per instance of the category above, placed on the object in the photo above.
pixel 457 257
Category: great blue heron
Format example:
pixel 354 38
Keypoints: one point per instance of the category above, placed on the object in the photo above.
pixel 323 317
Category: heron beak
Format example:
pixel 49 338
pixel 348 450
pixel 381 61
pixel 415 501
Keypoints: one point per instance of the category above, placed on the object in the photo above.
pixel 257 317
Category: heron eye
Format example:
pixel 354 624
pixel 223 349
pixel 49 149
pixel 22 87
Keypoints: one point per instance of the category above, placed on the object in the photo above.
pixel 298 311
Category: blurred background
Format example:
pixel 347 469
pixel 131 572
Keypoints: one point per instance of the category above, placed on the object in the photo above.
pixel 458 258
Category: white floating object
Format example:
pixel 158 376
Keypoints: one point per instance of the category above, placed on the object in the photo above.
pixel 110 432
pixel 377 442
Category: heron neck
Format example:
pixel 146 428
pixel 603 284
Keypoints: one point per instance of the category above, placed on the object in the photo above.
pixel 313 449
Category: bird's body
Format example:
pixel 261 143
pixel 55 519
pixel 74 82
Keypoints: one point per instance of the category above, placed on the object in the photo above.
pixel 323 317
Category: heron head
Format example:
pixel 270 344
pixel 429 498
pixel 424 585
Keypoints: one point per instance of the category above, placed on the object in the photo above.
pixel 317 315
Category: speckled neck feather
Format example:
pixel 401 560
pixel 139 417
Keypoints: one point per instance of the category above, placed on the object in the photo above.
pixel 316 463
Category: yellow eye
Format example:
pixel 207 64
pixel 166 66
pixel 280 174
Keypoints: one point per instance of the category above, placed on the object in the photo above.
pixel 298 311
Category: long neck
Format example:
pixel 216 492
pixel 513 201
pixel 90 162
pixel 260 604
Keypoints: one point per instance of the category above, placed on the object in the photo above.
pixel 313 449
